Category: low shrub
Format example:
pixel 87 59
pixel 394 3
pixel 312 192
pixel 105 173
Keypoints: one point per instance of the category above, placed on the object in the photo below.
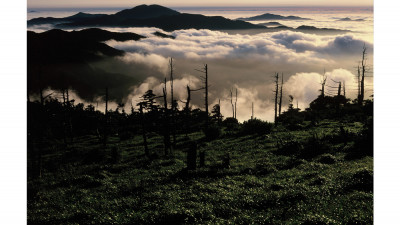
pixel 303 150
pixel 231 124
pixel 256 126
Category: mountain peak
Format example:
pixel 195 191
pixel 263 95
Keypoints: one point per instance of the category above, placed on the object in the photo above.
pixel 146 12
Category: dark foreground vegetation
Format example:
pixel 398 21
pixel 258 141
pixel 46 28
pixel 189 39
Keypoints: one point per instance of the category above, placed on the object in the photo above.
pixel 157 166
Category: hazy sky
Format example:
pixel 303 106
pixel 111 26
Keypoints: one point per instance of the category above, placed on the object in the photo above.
pixel 131 3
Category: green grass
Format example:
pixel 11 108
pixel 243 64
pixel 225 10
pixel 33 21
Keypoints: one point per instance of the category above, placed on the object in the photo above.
pixel 260 187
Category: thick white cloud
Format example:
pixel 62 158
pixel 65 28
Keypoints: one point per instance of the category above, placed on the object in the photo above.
pixel 279 47
pixel 152 60
pixel 245 62
pixel 248 62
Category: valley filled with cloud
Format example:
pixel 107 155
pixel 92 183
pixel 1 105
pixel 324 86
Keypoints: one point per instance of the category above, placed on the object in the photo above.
pixel 245 62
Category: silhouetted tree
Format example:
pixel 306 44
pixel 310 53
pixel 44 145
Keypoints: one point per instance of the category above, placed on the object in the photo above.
pixel 216 113
pixel 290 102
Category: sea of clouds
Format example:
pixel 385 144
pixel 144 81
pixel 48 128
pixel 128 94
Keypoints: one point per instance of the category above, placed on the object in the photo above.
pixel 243 62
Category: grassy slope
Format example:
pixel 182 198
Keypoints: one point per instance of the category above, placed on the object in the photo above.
pixel 259 187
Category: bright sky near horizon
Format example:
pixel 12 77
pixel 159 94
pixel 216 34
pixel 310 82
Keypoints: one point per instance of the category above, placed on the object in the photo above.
pixel 204 3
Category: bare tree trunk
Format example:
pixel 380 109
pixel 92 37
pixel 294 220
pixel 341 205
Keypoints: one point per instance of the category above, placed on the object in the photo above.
pixel 344 89
pixel 276 98
pixel 63 95
pixel 323 87
pixel 280 97
pixel 187 111
pixel 172 101
pixel 187 105
pixel 363 69
pixel 358 81
pixel 233 108
pixel 236 104
pixel 69 123
pixel 205 79
pixel 219 112
pixel 146 149
pixel 206 93
pixel 167 142
pixel 323 82
pixel 106 121
pixel 252 110
pixel 66 90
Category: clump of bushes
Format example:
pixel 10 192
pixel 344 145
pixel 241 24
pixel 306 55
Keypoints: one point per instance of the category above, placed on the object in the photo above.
pixel 303 150
pixel 212 132
pixel 289 147
pixel 362 180
pixel 327 159
pixel 256 126
pixel 231 124
pixel 313 147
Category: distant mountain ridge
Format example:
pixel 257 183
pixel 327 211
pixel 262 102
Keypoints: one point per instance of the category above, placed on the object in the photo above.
pixel 270 16
pixel 170 20
pixel 147 16
pixel 349 19
pixel 68 19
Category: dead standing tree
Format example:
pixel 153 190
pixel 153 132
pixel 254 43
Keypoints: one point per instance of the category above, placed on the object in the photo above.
pixel 173 105
pixel 236 103
pixel 187 109
pixel 323 82
pixel 276 98
pixel 363 70
pixel 252 110
pixel 106 121
pixel 344 89
pixel 205 80
pixel 339 87
pixel 280 96
pixel 146 148
pixel 233 108
pixel 167 141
